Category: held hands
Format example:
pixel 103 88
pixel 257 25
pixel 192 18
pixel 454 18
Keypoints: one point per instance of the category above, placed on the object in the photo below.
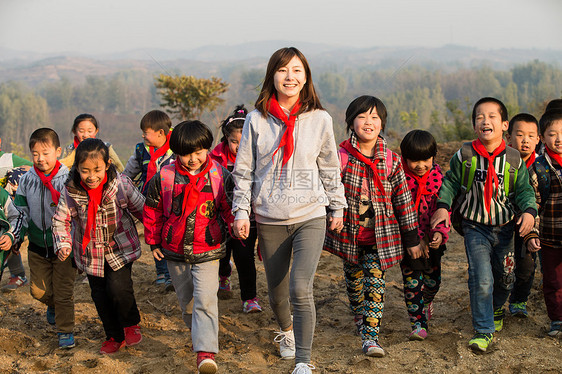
pixel 5 242
pixel 157 253
pixel 63 253
pixel 533 245
pixel 241 228
pixel 415 252
pixel 440 215
pixel 335 224
pixel 526 222
pixel 436 240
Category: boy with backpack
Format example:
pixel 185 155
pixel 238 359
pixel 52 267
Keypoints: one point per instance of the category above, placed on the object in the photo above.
pixel 490 186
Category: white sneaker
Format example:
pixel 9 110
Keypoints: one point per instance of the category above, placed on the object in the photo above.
pixel 302 368
pixel 286 340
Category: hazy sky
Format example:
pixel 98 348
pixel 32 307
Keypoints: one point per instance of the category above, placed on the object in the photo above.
pixel 102 26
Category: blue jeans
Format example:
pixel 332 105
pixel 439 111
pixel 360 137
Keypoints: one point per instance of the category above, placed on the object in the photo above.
pixel 489 250
pixel 162 268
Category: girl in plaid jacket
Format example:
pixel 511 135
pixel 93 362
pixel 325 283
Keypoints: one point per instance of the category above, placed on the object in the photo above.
pixel 98 203
pixel 380 219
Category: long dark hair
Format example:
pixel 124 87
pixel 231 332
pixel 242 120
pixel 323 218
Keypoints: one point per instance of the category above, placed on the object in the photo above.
pixel 280 58
pixel 233 122
pixel 91 148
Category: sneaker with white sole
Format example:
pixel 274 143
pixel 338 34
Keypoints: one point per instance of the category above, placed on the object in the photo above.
pixel 372 348
pixel 302 368
pixel 286 340
pixel 555 329
pixel 14 283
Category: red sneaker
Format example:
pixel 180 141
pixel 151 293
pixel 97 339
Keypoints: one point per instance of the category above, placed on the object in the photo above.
pixel 111 346
pixel 206 363
pixel 132 335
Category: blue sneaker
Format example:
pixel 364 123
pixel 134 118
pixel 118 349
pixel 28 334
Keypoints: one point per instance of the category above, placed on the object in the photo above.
pixel 66 341
pixel 169 285
pixel 51 315
pixel 519 309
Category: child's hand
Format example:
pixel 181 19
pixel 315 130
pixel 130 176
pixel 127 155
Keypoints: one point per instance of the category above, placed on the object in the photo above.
pixel 5 242
pixel 526 222
pixel 533 245
pixel 440 215
pixel 157 253
pixel 63 253
pixel 415 252
pixel 241 228
pixel 436 240
pixel 336 223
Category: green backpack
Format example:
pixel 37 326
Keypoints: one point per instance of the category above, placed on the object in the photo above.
pixel 469 162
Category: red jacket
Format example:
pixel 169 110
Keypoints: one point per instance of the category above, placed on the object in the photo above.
pixel 219 155
pixel 205 228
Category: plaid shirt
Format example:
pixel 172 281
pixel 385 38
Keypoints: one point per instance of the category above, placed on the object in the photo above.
pixel 395 217
pixel 115 238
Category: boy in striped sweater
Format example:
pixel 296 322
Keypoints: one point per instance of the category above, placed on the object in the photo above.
pixel 488 210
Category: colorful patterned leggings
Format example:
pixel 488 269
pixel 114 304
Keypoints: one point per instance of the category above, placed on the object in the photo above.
pixel 365 289
pixel 420 287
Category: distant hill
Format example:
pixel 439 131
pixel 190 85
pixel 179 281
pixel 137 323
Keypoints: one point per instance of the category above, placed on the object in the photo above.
pixel 33 68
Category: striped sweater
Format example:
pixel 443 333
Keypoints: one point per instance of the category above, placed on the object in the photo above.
pixel 502 209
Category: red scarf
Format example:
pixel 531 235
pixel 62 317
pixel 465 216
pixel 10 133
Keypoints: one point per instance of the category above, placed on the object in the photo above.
pixel 94 196
pixel 155 155
pixel 287 140
pixel 371 163
pixel 491 177
pixel 530 160
pixel 76 142
pixel 193 188
pixel 55 195
pixel 230 157
pixel 555 156
pixel 422 182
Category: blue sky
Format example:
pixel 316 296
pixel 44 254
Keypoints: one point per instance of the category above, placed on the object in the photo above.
pixel 105 26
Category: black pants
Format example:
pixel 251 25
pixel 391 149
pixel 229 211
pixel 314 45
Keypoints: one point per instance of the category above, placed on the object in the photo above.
pixel 243 253
pixel 115 302
pixel 525 265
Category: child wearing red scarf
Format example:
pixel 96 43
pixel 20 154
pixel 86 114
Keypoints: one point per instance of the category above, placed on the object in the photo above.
pixel 523 135
pixel 489 218
pixel 242 250
pixel 37 196
pixel 149 157
pixel 186 221
pixel 86 126
pixel 422 277
pixel 98 204
pixel 379 222
pixel 549 225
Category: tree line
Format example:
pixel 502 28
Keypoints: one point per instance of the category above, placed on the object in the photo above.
pixel 437 99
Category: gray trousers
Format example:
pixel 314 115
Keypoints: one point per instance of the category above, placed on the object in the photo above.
pixel 304 241
pixel 15 265
pixel 196 288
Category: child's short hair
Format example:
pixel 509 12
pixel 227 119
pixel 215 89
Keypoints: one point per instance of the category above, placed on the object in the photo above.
pixel 548 118
pixel 522 117
pixel 84 117
pixel 418 145
pixel 503 109
pixel 156 120
pixel 190 136
pixel 87 149
pixel 44 135
pixel 233 122
pixel 364 104
pixel 554 104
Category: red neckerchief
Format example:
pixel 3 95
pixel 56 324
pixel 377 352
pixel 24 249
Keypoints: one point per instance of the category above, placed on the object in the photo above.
pixel 287 140
pixel 193 188
pixel 491 178
pixel 55 195
pixel 94 196
pixel 371 163
pixel 76 142
pixel 422 182
pixel 555 156
pixel 530 160
pixel 230 157
pixel 155 155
